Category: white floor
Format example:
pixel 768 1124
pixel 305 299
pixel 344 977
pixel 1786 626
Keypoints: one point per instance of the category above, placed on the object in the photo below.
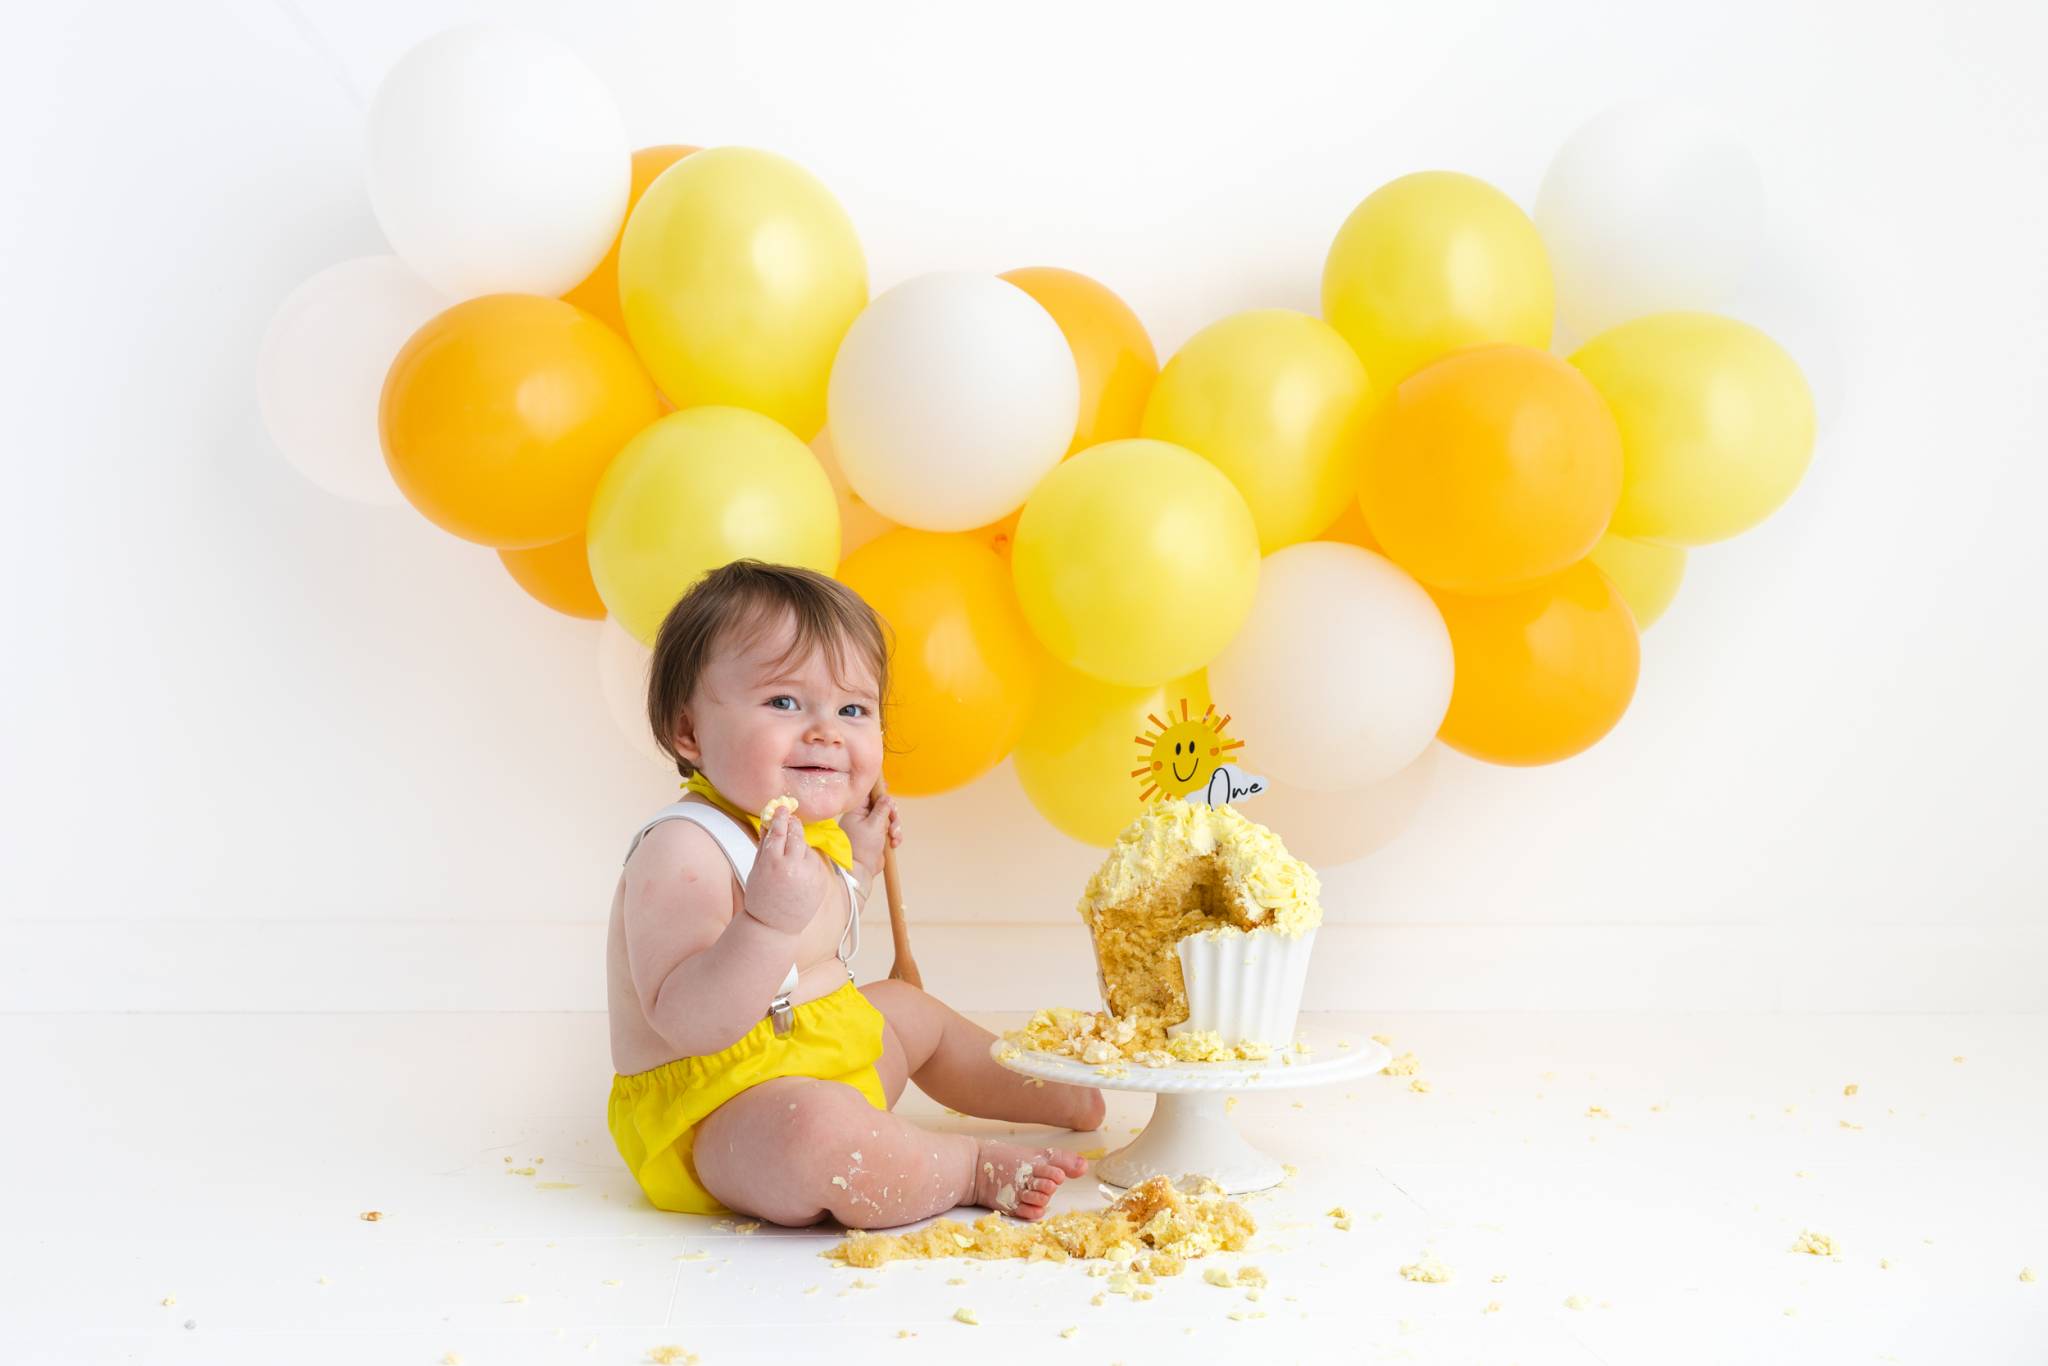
pixel 186 1188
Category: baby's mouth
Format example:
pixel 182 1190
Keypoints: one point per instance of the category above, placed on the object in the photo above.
pixel 816 772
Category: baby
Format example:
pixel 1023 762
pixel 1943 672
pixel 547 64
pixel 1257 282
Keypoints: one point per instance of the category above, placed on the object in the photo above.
pixel 752 1075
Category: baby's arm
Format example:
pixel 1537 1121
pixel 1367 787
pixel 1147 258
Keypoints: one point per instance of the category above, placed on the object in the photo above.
pixel 703 974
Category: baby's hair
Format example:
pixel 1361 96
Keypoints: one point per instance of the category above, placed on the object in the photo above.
pixel 746 597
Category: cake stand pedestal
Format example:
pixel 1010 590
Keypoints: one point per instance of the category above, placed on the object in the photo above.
pixel 1189 1131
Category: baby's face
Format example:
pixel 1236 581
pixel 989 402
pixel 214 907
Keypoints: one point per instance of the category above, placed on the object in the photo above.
pixel 758 732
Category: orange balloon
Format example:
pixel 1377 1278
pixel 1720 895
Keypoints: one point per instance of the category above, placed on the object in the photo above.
pixel 1111 350
pixel 966 667
pixel 499 415
pixel 598 295
pixel 1000 536
pixel 1113 354
pixel 557 576
pixel 1542 672
pixel 1350 527
pixel 1491 468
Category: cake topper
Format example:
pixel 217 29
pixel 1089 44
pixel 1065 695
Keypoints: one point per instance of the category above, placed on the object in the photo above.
pixel 1185 760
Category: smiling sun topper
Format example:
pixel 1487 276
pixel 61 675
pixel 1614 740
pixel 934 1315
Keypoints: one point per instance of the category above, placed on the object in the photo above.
pixel 1185 758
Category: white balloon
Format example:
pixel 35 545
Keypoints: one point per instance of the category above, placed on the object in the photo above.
pixel 1324 829
pixel 321 371
pixel 622 678
pixel 1651 206
pixel 497 161
pixel 952 395
pixel 1342 672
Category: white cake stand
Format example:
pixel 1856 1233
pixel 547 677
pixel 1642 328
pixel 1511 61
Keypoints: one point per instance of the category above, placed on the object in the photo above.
pixel 1189 1130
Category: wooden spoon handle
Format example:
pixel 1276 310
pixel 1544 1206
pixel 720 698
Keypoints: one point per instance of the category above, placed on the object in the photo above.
pixel 905 968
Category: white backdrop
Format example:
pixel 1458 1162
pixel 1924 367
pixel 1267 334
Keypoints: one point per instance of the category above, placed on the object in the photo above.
pixel 266 749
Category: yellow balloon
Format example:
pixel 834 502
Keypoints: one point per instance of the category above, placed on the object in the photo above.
pixel 1277 401
pixel 739 273
pixel 698 489
pixel 1644 573
pixel 965 667
pixel 1432 262
pixel 1135 561
pixel 1079 749
pixel 1716 424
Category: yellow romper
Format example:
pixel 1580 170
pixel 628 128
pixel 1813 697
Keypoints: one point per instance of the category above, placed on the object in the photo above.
pixel 653 1115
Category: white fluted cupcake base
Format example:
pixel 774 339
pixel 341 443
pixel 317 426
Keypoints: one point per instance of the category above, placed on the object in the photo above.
pixel 1189 1131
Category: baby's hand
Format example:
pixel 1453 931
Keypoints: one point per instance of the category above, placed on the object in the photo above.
pixel 866 828
pixel 782 890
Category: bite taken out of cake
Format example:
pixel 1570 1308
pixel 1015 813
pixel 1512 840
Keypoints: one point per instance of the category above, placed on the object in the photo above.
pixel 1202 924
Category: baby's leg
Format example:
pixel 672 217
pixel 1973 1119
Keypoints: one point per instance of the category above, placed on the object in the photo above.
pixel 796 1149
pixel 947 1055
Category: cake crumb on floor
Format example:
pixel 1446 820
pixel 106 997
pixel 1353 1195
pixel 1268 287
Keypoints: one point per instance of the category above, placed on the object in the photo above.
pixel 1815 1244
pixel 1427 1270
pixel 1155 1227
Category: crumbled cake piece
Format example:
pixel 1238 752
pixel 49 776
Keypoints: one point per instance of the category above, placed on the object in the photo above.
pixel 672 1356
pixel 1492 1307
pixel 1577 1302
pixel 966 1316
pixel 1850 1089
pixel 1847 1125
pixel 1815 1244
pixel 1070 1330
pixel 776 804
pixel 1215 1275
pixel 1403 1066
pixel 1419 1084
pixel 371 1215
pixel 1154 1227
pixel 1427 1269
pixel 2027 1274
pixel 1597 1112
pixel 1100 1038
pixel 1499 1276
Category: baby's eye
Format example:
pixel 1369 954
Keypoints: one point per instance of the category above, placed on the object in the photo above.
pixel 855 707
pixel 780 698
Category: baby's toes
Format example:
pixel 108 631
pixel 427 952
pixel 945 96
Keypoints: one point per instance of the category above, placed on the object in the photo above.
pixel 1062 1161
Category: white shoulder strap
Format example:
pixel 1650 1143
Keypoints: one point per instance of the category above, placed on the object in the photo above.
pixel 739 851
pixel 732 840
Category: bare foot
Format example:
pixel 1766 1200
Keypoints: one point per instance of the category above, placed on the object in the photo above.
pixel 1089 1112
pixel 1018 1180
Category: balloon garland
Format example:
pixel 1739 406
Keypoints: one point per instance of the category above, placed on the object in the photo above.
pixel 1403 521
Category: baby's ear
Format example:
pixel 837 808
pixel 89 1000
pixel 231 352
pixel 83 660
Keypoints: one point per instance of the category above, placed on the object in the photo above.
pixel 685 737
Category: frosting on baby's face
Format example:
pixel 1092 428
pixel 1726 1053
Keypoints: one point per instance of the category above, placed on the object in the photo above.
pixel 759 731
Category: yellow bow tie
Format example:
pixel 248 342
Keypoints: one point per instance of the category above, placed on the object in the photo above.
pixel 823 835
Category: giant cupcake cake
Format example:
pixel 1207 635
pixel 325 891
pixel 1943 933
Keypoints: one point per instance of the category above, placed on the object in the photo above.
pixel 1202 924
